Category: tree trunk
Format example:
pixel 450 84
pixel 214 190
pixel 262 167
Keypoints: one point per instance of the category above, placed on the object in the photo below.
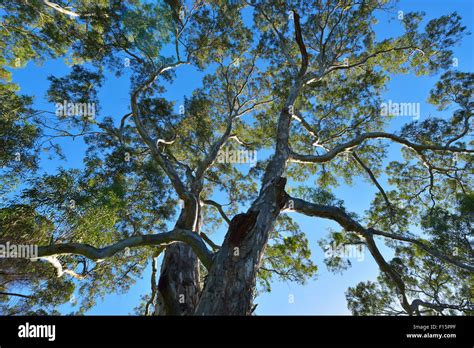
pixel 230 285
pixel 179 284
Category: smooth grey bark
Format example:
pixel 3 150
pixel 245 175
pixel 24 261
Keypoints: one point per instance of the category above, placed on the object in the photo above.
pixel 166 238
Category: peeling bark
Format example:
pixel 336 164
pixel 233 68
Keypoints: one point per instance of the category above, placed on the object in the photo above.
pixel 230 285
pixel 179 286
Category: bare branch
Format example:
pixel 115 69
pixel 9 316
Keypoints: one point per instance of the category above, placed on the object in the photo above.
pixel 419 148
pixel 154 284
pixel 374 180
pixel 283 41
pixel 299 117
pixel 219 208
pixel 439 307
pixel 209 241
pixel 214 151
pixel 317 76
pixel 301 45
pixel 2 293
pixel 162 161
pixel 177 235
pixel 422 245
pixel 58 8
pixel 59 268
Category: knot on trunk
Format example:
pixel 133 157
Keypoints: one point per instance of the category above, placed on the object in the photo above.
pixel 240 226
pixel 281 195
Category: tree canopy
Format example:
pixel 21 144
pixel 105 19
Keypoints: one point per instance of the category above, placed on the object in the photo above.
pixel 300 83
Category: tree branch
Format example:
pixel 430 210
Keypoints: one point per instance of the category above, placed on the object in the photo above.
pixel 177 235
pixel 58 8
pixel 59 268
pixel 374 180
pixel 233 113
pixel 219 208
pixel 316 77
pixel 427 248
pixel 350 224
pixel 154 284
pixel 301 45
pixel 438 307
pixel 15 294
pixel 283 41
pixel 162 161
pixel 209 241
pixel 419 148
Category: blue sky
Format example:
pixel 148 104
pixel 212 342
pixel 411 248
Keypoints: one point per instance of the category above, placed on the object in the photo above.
pixel 325 295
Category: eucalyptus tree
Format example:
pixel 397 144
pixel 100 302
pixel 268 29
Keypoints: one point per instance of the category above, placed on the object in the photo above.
pixel 301 81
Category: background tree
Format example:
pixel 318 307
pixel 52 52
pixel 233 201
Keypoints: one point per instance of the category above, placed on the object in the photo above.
pixel 303 82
